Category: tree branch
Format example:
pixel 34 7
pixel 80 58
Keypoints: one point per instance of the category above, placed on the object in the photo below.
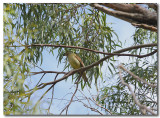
pixel 92 65
pixel 90 107
pixel 112 54
pixel 42 96
pixel 145 26
pixel 142 16
pixel 95 102
pixel 41 78
pixel 129 8
pixel 52 93
pixel 142 107
pixel 136 77
pixel 45 93
pixel 71 97
pixel 35 73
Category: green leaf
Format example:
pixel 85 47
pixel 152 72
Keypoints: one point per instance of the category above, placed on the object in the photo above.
pixel 110 70
pixel 26 86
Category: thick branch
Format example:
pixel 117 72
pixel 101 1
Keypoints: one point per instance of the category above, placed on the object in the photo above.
pixel 147 18
pixel 130 8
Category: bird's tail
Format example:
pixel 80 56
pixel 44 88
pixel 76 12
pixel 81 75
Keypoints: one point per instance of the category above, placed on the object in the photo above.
pixel 85 77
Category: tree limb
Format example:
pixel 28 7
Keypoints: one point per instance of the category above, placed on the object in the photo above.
pixel 145 26
pixel 142 107
pixel 142 16
pixel 96 51
pixel 92 65
pixel 129 8
pixel 136 77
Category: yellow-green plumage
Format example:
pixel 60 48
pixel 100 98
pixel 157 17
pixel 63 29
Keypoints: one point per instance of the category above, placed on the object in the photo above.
pixel 73 61
pixel 76 62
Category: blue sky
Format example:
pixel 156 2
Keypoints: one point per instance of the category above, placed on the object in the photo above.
pixel 123 29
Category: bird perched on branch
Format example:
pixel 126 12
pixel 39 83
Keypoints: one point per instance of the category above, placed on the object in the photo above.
pixel 76 62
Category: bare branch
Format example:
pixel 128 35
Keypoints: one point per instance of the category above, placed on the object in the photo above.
pixel 129 8
pixel 90 107
pixel 136 77
pixel 145 26
pixel 40 79
pixel 130 13
pixel 52 93
pixel 45 92
pixel 93 99
pixel 42 97
pixel 142 107
pixel 72 96
pixel 112 54
pixel 35 73
pixel 101 106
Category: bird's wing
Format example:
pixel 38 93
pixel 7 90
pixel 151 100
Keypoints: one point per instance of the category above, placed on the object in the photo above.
pixel 79 59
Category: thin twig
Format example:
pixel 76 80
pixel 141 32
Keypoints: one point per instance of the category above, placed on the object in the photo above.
pixel 90 107
pixel 101 106
pixel 35 73
pixel 66 108
pixel 45 93
pixel 42 97
pixel 95 102
pixel 52 93
pixel 84 96
pixel 40 79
